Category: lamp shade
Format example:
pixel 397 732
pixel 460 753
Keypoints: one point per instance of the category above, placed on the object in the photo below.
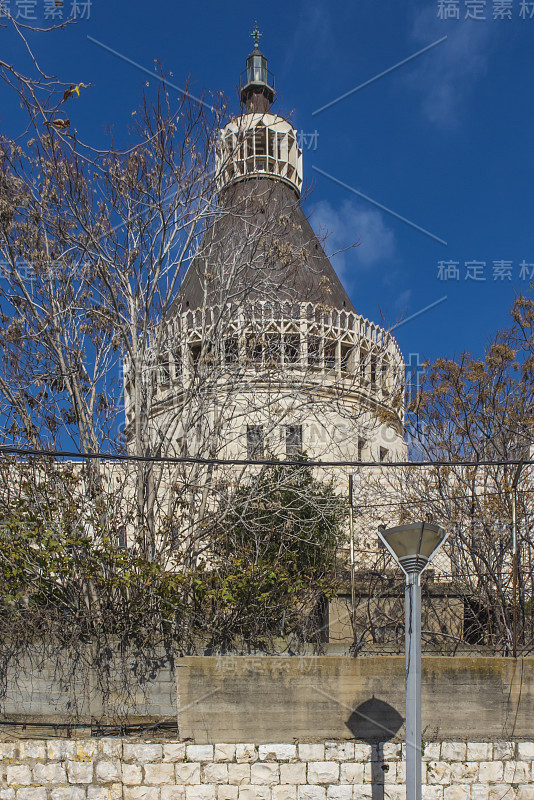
pixel 413 545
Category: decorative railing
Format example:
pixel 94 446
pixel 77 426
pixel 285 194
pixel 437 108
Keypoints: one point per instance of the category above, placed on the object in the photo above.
pixel 265 314
pixel 302 341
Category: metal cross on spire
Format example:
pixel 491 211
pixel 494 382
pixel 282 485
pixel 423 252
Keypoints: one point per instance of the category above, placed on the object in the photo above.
pixel 256 35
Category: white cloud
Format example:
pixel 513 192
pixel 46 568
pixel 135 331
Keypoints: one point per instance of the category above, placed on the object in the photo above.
pixel 446 75
pixel 344 226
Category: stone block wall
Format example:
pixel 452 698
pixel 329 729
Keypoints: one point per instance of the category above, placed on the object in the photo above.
pixel 124 769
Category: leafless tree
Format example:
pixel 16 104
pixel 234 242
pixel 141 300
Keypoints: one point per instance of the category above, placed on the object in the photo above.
pixel 474 414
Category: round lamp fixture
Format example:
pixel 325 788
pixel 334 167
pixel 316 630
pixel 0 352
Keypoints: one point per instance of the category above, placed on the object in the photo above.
pixel 413 545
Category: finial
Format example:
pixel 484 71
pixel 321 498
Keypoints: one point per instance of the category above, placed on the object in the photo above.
pixel 256 35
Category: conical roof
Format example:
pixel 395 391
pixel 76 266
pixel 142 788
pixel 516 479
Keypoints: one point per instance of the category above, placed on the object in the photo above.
pixel 260 246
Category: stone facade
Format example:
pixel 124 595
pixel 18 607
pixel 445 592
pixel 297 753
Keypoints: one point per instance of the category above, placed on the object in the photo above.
pixel 123 769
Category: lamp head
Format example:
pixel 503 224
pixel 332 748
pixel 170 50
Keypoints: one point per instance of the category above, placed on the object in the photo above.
pixel 413 545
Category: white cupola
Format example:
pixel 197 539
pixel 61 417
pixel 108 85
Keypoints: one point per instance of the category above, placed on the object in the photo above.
pixel 258 143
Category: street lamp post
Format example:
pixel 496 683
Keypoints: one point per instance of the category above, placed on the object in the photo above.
pixel 413 546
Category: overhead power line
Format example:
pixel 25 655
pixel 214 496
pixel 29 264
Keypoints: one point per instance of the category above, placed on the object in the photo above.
pixel 243 462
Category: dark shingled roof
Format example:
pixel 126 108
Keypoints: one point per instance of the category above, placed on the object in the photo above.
pixel 260 246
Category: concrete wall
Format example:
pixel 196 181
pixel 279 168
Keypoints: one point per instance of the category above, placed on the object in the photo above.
pixel 119 769
pixel 48 692
pixel 280 699
pixel 266 699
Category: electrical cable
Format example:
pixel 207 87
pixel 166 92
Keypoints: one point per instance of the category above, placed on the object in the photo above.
pixel 243 462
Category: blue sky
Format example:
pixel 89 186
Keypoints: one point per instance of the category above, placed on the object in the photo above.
pixel 443 141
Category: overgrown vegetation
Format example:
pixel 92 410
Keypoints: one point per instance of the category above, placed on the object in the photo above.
pixel 72 597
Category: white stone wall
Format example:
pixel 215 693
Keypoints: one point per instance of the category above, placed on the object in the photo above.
pixel 122 769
